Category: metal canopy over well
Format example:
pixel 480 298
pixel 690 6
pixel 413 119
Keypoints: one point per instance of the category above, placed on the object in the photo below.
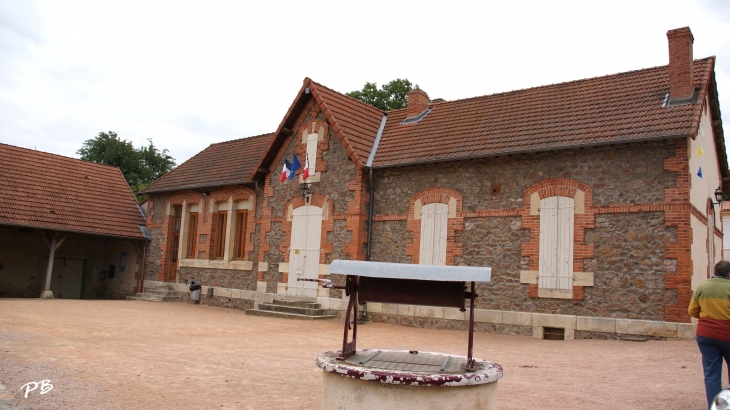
pixel 429 285
pixel 411 271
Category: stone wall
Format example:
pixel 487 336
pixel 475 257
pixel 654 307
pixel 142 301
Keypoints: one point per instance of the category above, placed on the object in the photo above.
pixel 630 266
pixel 388 242
pixel 154 254
pixel 629 263
pixel 224 278
pixel 495 242
pixel 275 237
pixel 620 174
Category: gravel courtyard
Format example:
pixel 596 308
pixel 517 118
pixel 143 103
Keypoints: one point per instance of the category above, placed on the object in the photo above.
pixel 144 355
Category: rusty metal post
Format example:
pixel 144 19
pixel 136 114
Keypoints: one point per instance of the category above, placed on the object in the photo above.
pixel 470 365
pixel 350 348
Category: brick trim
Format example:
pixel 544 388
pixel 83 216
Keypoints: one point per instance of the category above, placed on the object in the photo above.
pixel 176 199
pixel 322 146
pixel 680 250
pixel 428 196
pixel 237 193
pixel 567 188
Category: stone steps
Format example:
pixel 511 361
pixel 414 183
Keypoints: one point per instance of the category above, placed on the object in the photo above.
pixel 158 294
pixel 291 308
pixel 312 311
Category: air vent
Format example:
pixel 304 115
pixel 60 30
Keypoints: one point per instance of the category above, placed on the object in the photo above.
pixel 553 333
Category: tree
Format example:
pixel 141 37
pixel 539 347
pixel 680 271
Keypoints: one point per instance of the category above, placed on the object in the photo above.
pixel 391 96
pixel 139 166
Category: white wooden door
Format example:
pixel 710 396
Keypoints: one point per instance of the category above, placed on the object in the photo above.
pixel 433 234
pixel 556 242
pixel 304 250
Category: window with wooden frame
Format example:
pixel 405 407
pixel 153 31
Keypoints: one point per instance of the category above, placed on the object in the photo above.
pixel 177 216
pixel 240 242
pixel 192 234
pixel 220 234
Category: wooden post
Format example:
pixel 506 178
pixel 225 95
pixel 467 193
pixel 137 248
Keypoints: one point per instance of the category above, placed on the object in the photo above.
pixel 52 245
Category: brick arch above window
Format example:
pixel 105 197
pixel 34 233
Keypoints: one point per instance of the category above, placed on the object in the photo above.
pixel 238 194
pixel 455 220
pixel 584 218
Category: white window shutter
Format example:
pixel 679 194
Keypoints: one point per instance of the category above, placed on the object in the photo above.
pixel 548 242
pixel 427 225
pixel 312 153
pixel 564 263
pixel 557 215
pixel 434 219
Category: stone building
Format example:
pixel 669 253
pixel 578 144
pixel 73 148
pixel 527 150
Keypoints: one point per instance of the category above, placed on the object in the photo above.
pixel 592 201
pixel 69 229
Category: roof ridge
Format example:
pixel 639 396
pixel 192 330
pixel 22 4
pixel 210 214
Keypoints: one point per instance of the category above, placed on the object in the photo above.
pixel 348 97
pixel 242 138
pixel 558 84
pixel 79 160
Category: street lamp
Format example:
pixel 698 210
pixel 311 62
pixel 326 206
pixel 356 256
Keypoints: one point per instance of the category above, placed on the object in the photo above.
pixel 304 187
pixel 718 196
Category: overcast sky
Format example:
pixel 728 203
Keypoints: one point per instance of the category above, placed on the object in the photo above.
pixel 188 74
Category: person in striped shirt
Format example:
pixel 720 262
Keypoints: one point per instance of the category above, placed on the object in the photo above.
pixel 711 304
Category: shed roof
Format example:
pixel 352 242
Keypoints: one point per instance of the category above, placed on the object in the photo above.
pixel 50 191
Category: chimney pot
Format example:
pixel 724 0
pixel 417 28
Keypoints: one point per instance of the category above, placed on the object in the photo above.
pixel 417 102
pixel 680 64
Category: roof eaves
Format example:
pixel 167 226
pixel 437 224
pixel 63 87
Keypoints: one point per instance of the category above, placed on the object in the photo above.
pixel 529 151
pixel 704 85
pixel 194 187
pixel 141 237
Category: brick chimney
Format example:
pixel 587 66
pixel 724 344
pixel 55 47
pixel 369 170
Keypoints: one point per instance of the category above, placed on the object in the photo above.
pixel 417 102
pixel 680 64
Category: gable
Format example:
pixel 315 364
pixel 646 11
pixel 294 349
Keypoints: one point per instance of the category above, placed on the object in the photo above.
pixel 355 124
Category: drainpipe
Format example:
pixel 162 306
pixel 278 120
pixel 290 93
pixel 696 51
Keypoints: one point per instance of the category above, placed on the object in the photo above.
pixel 144 262
pixel 370 216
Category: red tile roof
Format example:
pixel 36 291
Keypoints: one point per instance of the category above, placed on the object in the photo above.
pixel 359 122
pixel 224 163
pixel 614 108
pixel 49 191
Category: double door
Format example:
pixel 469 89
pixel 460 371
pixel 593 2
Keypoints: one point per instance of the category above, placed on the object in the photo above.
pixel 66 278
pixel 304 250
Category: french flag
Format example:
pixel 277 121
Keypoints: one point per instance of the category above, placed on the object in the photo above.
pixel 305 173
pixel 286 171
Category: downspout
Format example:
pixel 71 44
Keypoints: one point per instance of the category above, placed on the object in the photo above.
pixel 144 262
pixel 370 215
pixel 369 165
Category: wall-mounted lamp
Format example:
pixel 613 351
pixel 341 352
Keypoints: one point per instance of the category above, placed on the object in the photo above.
pixel 718 196
pixel 305 187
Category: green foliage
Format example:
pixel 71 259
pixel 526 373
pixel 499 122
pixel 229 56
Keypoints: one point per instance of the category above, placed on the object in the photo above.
pixel 391 96
pixel 140 166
